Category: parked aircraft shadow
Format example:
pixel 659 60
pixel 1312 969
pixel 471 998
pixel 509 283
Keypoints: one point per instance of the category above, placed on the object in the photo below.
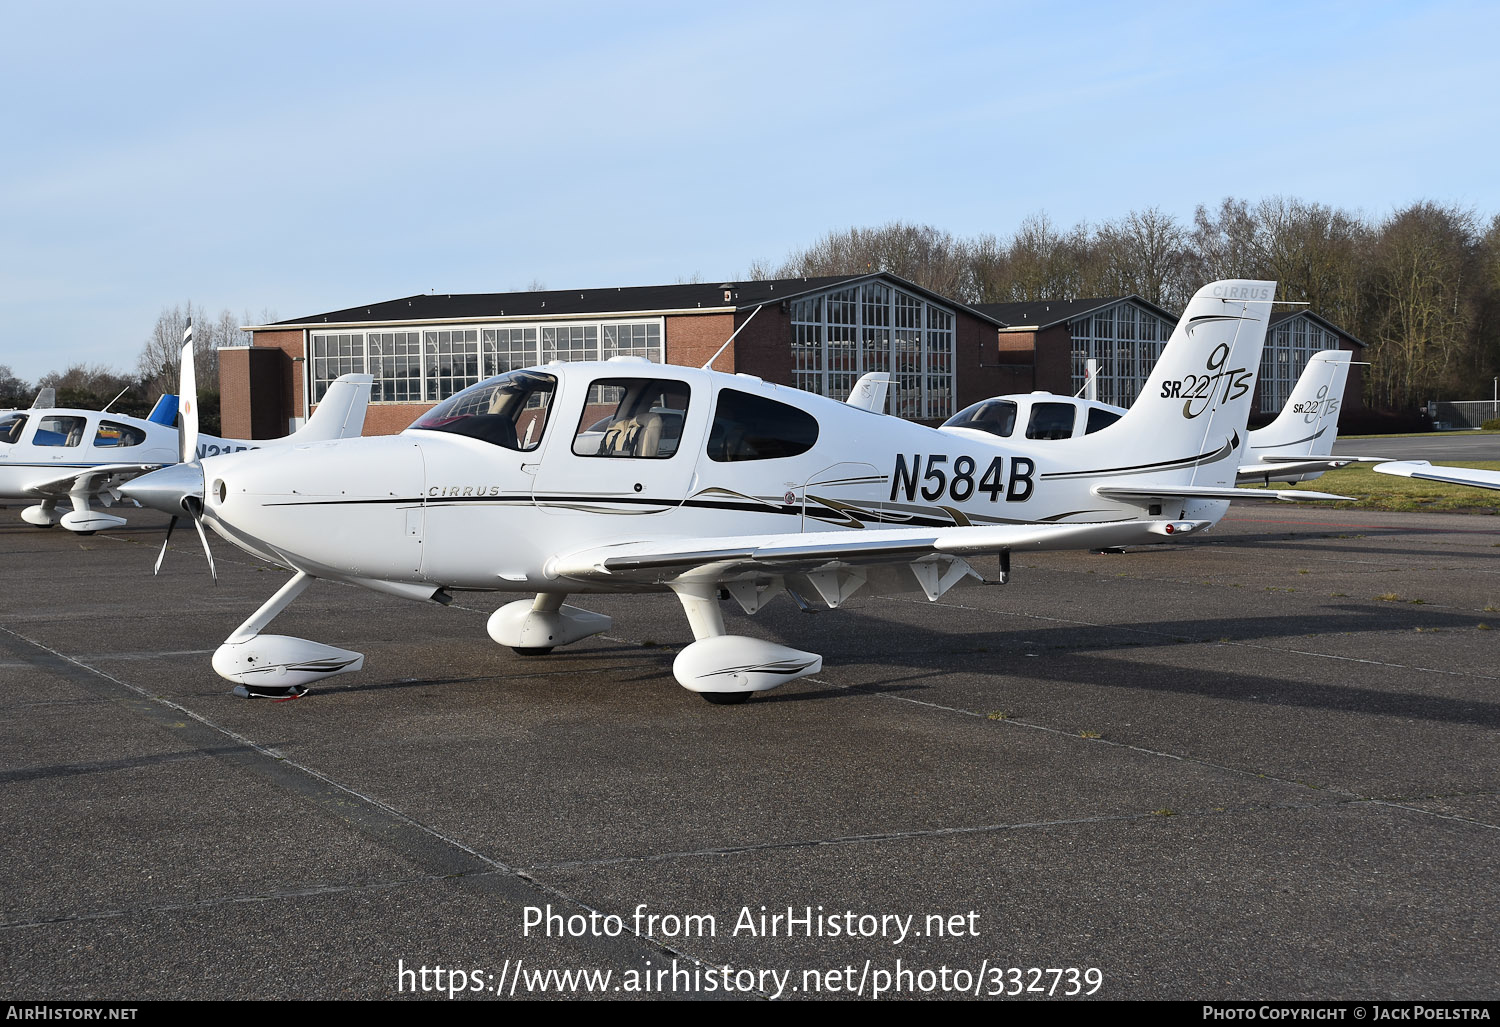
pixel 1071 653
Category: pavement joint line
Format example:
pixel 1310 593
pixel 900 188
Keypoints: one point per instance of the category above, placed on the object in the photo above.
pixel 1434 813
pixel 1200 641
pixel 934 832
pixel 504 870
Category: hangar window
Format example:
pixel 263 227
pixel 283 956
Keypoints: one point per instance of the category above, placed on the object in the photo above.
pixel 58 430
pixel 1126 339
pixel 1289 347
pixel 874 326
pixel 11 428
pixel 113 435
pixel 639 417
pixel 433 364
pixel 509 411
pixel 996 416
pixel 1051 421
pixel 750 427
pixel 396 363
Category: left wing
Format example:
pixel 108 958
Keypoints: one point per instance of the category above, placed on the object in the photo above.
pixel 837 562
pixel 1451 475
pixel 99 478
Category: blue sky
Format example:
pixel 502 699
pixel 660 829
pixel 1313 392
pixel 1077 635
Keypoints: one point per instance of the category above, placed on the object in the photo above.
pixel 301 157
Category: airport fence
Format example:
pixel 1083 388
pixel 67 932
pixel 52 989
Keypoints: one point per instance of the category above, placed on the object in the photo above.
pixel 1469 413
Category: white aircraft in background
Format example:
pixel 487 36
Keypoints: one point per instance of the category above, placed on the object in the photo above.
pixel 1297 446
pixel 52 456
pixel 703 482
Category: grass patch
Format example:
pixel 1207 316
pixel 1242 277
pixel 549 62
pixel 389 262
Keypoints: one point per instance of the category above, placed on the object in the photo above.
pixel 1404 495
pixel 1089 734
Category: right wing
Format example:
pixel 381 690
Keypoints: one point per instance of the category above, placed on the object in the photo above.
pixel 1474 477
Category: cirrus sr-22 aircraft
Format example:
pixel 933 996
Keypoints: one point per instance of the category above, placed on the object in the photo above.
pixel 58 456
pixel 629 476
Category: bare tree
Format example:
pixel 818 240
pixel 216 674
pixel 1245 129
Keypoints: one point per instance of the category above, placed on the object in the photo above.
pixel 13 391
pixel 162 352
pixel 1421 331
pixel 1146 253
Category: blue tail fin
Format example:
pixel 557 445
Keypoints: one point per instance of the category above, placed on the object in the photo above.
pixel 165 411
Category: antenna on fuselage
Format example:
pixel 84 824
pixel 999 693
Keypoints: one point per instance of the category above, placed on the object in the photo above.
pixel 727 341
pixel 112 402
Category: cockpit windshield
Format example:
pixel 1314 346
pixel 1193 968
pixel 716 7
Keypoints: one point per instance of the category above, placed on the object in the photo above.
pixel 996 416
pixel 509 411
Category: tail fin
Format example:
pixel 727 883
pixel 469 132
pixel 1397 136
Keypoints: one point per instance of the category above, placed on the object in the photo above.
pixel 1308 424
pixel 46 399
pixel 1189 423
pixel 165 411
pixel 869 392
pixel 341 414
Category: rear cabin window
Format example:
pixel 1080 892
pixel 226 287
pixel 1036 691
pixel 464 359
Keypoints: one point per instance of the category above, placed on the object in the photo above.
pixel 632 417
pixel 996 416
pixel 1100 419
pixel 112 435
pixel 1051 421
pixel 11 428
pixel 57 430
pixel 509 411
pixel 750 427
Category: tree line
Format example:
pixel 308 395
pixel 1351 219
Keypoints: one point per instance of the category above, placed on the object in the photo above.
pixel 91 386
pixel 1420 287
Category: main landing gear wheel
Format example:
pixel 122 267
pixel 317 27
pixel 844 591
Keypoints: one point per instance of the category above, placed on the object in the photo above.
pixel 726 698
pixel 531 650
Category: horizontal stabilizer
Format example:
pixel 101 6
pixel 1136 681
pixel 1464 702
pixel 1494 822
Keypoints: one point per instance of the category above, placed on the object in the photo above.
pixel 1426 471
pixel 1148 491
pixel 1279 468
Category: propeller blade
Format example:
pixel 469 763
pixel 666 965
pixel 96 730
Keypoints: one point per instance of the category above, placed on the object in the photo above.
pixel 187 408
pixel 198 523
pixel 163 554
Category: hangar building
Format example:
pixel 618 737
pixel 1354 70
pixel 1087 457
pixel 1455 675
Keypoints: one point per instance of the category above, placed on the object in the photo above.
pixel 1126 334
pixel 818 334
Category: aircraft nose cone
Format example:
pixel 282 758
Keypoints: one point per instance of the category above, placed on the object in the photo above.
pixel 168 489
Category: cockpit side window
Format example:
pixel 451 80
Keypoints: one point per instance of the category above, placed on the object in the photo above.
pixel 60 430
pixel 113 435
pixel 1051 421
pixel 632 417
pixel 750 427
pixel 1100 419
pixel 996 416
pixel 509 411
pixel 11 427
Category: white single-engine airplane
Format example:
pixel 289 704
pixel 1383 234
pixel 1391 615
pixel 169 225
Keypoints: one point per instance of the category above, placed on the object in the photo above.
pixel 699 481
pixel 52 455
